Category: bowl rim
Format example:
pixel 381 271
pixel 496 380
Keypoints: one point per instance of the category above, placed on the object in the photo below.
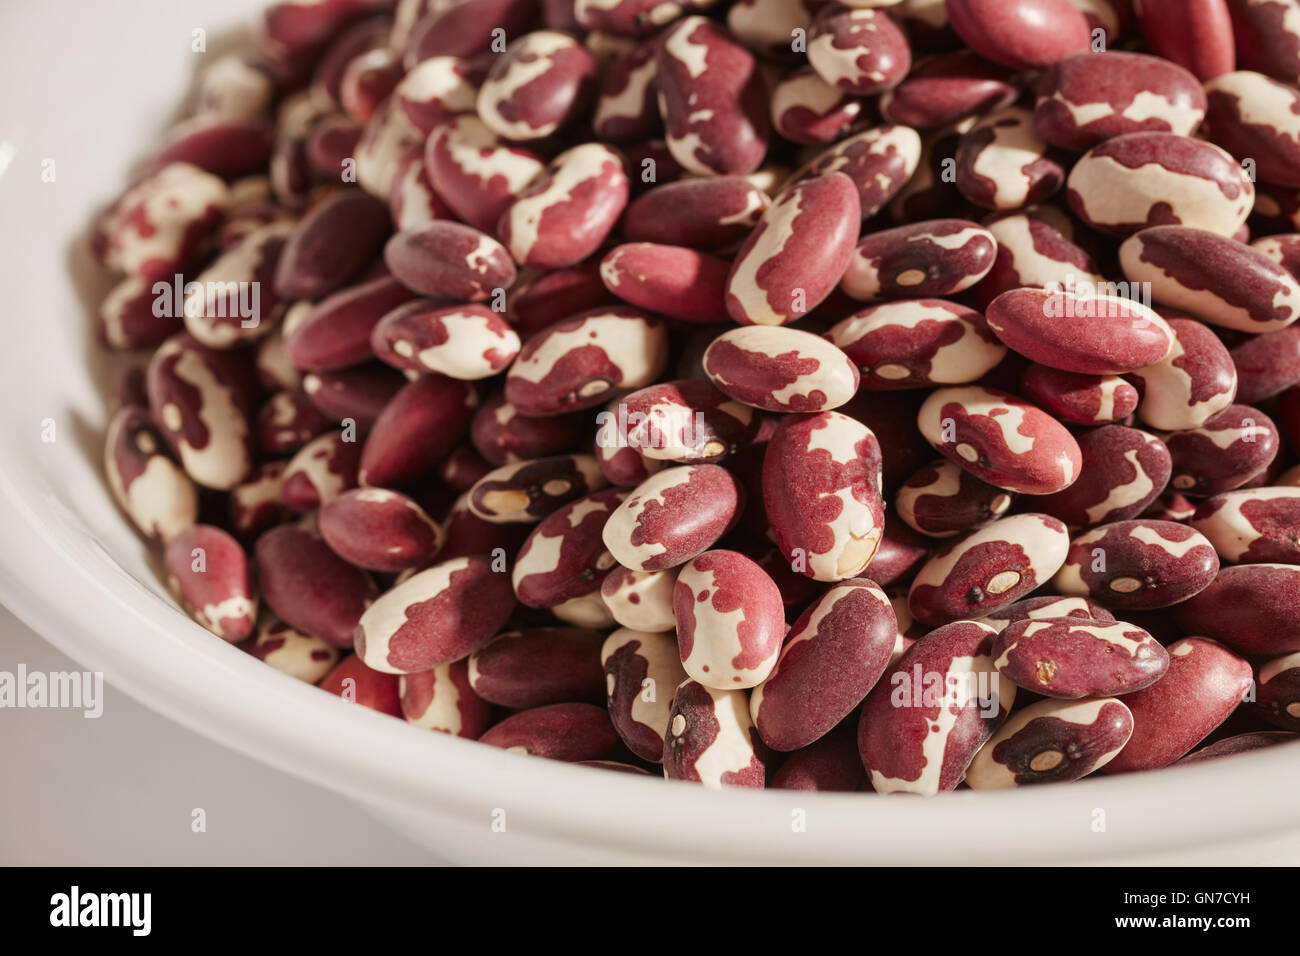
pixel 152 651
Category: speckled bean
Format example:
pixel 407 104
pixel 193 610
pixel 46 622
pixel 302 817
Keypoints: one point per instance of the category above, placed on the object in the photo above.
pixel 1052 742
pixel 942 500
pixel 917 343
pixel 1001 439
pixel 1253 525
pixel 1070 658
pixel 1138 565
pixel 460 341
pixel 711 739
pixel 780 369
pixel 1194 382
pixel 936 258
pixel 1124 470
pixel 932 710
pixel 822 491
pixel 988 570
pixel 642 672
pixel 673 516
pixel 565 556
pixel 525 492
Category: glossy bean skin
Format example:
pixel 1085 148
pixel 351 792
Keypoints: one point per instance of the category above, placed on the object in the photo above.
pixel 1124 470
pixel 730 620
pixel 566 213
pixel 880 161
pixel 1248 607
pixel 1204 684
pixel 821 488
pixel 1253 525
pixel 858 50
pixel 988 570
pixel 436 616
pixel 1258 119
pixel 1070 658
pixel 1195 381
pixel 449 260
pixel 476 172
pixel 1227 451
pixel 417 428
pixel 310 587
pixel 704 214
pixel 942 500
pixel 1022 33
pixel 379 530
pixel 467 342
pixel 570 732
pixel 640 600
pixel 1052 742
pixel 538 666
pixel 1138 565
pixel 780 369
pixel 796 254
pixel 442 699
pixel 1195 34
pixel 917 343
pixel 1212 277
pixel 1000 439
pixel 1110 335
pixel 945 680
pixel 673 516
pixel 1277 691
pixel 625 108
pixel 711 100
pixel 1136 180
pixel 642 673
pixel 1087 98
pixel 926 259
pixel 711 739
pixel 1002 164
pixel 564 557
pixel 336 333
pixel 575 363
pixel 946 88
pixel 833 656
pixel 675 281
pixel 543 81
pixel 330 245
pixel 1078 398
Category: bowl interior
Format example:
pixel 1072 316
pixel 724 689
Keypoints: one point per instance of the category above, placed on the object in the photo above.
pixel 73 568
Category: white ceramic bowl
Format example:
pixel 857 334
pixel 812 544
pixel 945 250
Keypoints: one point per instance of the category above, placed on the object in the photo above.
pixel 90 84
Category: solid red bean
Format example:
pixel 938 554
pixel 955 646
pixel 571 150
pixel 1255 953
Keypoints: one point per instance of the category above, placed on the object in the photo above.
pixel 832 657
pixel 1196 34
pixel 421 424
pixel 1020 33
pixel 309 586
pixel 1204 684
pixel 1248 607
pixel 570 732
pixel 538 666
pixel 675 281
pixel 379 530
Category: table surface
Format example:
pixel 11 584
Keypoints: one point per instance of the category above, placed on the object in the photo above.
pixel 121 789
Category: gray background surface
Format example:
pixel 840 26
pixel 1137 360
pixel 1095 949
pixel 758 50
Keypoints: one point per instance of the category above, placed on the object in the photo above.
pixel 120 790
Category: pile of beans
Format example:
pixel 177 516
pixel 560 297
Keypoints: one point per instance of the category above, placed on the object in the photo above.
pixel 892 395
